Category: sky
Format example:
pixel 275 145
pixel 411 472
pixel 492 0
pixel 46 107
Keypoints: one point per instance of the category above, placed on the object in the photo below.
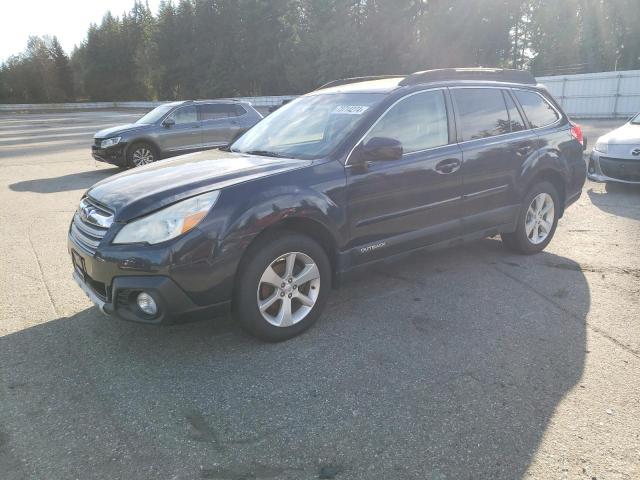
pixel 67 19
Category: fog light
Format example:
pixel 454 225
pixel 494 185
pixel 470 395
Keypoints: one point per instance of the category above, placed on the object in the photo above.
pixel 147 304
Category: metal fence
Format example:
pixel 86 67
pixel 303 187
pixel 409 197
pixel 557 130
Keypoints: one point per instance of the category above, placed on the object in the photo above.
pixel 589 95
pixel 258 102
pixel 597 95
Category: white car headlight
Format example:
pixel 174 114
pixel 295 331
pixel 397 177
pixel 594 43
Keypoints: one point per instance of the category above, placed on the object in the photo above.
pixel 110 142
pixel 602 147
pixel 169 222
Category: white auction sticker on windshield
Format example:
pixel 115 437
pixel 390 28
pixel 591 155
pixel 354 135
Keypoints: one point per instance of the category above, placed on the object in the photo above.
pixel 351 109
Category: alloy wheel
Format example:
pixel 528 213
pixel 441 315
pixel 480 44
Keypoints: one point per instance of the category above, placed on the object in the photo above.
pixel 142 156
pixel 288 289
pixel 540 218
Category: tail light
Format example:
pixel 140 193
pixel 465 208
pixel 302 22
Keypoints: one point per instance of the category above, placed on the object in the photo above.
pixel 576 132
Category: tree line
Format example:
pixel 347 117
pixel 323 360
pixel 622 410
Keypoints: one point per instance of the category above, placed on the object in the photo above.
pixel 224 48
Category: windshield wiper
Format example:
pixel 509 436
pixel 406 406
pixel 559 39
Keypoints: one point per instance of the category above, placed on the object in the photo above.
pixel 265 153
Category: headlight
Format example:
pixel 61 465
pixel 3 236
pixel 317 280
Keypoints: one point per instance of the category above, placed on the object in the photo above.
pixel 110 142
pixel 601 147
pixel 169 222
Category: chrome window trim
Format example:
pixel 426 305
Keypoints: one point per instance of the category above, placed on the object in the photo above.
pixel 346 163
pixel 510 133
pixel 496 87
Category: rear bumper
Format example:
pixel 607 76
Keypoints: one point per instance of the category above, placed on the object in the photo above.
pixel 603 168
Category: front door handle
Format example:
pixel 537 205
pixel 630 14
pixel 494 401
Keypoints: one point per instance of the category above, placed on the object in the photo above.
pixel 447 166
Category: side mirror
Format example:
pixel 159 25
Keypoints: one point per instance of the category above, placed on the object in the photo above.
pixel 168 122
pixel 382 148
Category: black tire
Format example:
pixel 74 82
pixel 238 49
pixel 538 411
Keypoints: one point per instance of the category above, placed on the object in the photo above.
pixel 519 241
pixel 139 147
pixel 262 254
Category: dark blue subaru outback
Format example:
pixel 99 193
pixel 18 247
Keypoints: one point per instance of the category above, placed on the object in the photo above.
pixel 354 172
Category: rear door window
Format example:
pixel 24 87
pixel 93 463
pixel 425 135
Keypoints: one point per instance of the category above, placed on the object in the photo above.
pixel 539 112
pixel 418 122
pixel 481 112
pixel 216 111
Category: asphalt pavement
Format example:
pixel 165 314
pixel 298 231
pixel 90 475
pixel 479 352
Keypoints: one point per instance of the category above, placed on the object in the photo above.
pixel 468 363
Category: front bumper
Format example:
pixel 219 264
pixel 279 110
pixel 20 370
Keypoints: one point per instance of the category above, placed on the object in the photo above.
pixel 112 286
pixel 604 168
pixel 115 155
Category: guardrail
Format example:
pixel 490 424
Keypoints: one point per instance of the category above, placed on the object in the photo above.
pixel 258 102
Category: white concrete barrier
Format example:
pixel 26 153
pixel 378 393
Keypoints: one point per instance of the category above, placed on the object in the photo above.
pixel 260 102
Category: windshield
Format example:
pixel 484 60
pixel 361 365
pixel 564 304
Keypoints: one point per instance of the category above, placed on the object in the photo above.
pixel 309 127
pixel 636 120
pixel 156 114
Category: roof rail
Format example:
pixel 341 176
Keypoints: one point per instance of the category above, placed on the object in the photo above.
pixel 346 81
pixel 215 100
pixel 493 74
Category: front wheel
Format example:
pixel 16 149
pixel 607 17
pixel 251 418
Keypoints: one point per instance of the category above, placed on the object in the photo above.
pixel 537 220
pixel 141 153
pixel 283 286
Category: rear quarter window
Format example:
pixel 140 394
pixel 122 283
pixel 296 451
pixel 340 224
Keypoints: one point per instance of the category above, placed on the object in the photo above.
pixel 538 111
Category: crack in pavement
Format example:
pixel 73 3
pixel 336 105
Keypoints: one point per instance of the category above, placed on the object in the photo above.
pixel 42 279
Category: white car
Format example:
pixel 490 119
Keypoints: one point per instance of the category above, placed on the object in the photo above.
pixel 616 156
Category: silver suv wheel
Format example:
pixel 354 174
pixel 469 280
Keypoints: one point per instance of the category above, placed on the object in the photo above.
pixel 288 289
pixel 142 155
pixel 540 217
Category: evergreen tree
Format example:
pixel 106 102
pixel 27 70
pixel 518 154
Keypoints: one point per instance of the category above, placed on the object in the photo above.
pixel 220 48
pixel 63 72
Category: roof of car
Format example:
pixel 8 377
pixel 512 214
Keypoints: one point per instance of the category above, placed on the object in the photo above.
pixel 383 85
pixel 447 76
pixel 199 102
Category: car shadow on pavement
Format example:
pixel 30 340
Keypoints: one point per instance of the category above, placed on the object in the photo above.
pixel 64 183
pixel 430 367
pixel 618 199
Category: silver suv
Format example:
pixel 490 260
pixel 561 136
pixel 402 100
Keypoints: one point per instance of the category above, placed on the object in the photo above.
pixel 174 128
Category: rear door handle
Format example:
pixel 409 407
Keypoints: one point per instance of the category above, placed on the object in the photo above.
pixel 447 166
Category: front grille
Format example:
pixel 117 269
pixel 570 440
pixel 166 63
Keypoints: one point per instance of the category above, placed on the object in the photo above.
pixel 90 224
pixel 97 142
pixel 628 170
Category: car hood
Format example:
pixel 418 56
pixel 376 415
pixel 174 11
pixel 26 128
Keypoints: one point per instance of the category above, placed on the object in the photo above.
pixel 142 190
pixel 628 134
pixel 119 129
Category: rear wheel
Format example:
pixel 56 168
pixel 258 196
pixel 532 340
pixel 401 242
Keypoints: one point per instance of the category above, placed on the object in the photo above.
pixel 283 286
pixel 537 220
pixel 141 153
